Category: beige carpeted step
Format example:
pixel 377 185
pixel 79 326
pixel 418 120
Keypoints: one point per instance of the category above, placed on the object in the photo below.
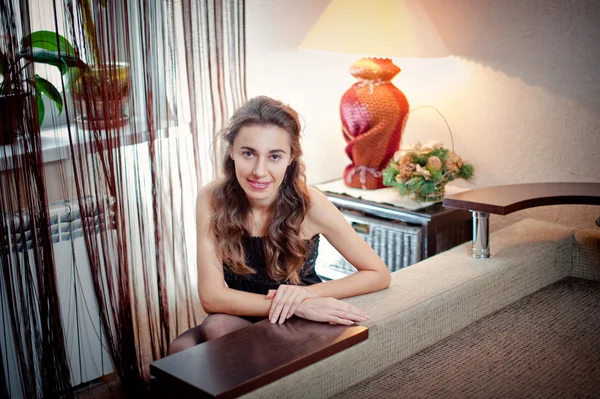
pixel 546 345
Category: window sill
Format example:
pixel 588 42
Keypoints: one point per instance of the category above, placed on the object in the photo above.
pixel 56 144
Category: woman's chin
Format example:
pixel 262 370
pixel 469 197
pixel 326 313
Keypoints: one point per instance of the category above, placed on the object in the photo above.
pixel 260 194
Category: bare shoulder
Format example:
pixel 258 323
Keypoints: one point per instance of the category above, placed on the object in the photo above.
pixel 318 200
pixel 320 211
pixel 205 194
pixel 204 199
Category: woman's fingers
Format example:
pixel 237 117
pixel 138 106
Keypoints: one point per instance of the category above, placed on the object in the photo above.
pixel 340 320
pixel 271 294
pixel 295 305
pixel 287 305
pixel 350 316
pixel 330 310
pixel 290 300
pixel 283 292
pixel 351 312
pixel 285 302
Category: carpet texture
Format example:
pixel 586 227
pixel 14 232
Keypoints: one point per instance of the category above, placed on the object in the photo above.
pixel 546 345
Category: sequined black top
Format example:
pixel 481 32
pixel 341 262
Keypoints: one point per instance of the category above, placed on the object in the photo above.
pixel 260 282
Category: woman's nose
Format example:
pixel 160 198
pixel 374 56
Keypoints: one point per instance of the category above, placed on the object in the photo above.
pixel 260 169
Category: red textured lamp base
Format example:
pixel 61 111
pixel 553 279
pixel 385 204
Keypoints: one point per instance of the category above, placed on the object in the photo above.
pixel 361 176
pixel 373 113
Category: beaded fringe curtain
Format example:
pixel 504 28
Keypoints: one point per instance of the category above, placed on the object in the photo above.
pixel 138 125
pixel 30 312
pixel 216 62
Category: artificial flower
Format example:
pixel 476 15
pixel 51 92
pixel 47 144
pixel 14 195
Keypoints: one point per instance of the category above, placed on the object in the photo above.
pixel 430 146
pixel 453 162
pixel 434 163
pixel 421 171
pixel 406 171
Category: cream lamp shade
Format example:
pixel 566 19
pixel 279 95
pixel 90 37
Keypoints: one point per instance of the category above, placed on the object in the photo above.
pixel 375 28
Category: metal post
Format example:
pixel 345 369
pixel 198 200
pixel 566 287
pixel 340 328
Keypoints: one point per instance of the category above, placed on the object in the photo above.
pixel 481 235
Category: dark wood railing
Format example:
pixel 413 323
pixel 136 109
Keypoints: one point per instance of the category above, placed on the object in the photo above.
pixel 502 200
pixel 247 359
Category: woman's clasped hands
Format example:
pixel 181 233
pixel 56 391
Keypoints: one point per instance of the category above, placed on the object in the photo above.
pixel 290 300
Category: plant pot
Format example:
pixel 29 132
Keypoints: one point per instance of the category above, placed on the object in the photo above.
pixel 97 114
pixel 102 97
pixel 12 113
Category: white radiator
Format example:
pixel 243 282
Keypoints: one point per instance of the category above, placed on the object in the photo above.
pixel 84 339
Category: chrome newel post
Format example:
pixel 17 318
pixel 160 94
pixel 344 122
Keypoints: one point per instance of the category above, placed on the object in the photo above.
pixel 481 235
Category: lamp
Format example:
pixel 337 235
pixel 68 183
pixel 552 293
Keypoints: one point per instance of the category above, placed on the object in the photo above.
pixel 373 110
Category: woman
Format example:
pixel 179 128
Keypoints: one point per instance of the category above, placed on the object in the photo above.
pixel 258 234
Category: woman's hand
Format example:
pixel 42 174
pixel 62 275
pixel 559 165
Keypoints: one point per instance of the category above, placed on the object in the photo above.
pixel 286 300
pixel 330 310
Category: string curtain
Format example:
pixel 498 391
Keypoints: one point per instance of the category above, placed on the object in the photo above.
pixel 141 122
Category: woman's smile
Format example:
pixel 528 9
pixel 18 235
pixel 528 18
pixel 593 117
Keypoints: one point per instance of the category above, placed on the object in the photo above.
pixel 258 185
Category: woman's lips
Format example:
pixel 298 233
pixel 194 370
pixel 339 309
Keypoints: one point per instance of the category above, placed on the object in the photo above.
pixel 258 185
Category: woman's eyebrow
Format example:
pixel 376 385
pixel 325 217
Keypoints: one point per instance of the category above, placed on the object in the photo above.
pixel 275 151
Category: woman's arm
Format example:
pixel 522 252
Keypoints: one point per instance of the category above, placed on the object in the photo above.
pixel 324 218
pixel 372 275
pixel 215 296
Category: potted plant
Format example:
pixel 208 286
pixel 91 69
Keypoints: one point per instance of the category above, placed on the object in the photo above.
pixel 43 47
pixel 101 92
pixel 101 95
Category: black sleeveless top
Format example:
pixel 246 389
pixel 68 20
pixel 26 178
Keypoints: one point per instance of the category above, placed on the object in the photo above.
pixel 260 282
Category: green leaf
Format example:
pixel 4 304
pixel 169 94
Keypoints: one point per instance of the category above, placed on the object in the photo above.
pixel 40 106
pixel 441 153
pixel 48 40
pixel 466 171
pixel 389 176
pixel 421 159
pixel 51 58
pixel 415 183
pixel 435 174
pixel 74 79
pixel 402 190
pixel 427 188
pixel 47 88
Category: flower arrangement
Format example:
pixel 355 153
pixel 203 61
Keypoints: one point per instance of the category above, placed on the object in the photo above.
pixel 422 171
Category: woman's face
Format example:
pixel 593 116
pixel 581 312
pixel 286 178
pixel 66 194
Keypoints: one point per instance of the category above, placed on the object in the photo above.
pixel 261 155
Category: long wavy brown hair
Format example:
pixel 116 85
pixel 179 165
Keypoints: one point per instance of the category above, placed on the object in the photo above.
pixel 285 249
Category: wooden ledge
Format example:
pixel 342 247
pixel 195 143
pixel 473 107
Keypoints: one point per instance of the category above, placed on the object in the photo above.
pixel 250 358
pixel 502 200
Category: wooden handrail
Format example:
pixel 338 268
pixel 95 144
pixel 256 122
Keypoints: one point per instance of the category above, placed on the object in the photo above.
pixel 502 200
pixel 249 358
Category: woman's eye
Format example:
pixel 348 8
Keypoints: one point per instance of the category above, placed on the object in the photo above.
pixel 247 154
pixel 275 157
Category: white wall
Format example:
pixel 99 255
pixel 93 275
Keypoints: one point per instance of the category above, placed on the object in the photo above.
pixel 521 90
